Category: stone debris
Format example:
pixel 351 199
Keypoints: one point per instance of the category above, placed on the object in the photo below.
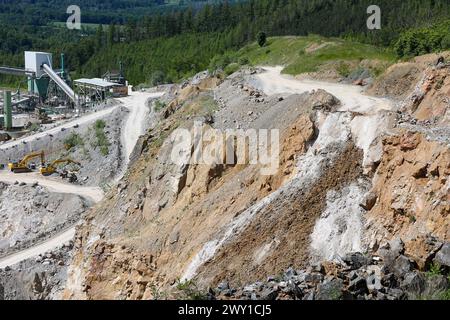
pixel 359 277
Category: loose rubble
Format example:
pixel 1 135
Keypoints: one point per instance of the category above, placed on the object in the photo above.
pixel 388 276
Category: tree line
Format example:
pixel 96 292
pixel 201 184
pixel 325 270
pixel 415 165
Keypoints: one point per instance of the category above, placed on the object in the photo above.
pixel 181 42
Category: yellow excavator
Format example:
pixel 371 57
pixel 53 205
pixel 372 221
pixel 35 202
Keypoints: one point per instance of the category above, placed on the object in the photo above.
pixel 50 169
pixel 22 165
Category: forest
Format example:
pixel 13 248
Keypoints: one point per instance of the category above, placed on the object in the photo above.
pixel 177 42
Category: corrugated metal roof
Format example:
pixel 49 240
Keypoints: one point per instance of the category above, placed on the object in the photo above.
pixel 97 82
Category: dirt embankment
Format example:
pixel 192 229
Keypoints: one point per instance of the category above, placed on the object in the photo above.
pixel 412 192
pixel 30 214
pixel 421 85
pixel 281 234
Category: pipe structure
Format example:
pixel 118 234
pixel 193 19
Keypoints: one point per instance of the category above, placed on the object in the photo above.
pixel 16 71
pixel 61 83
pixel 7 110
pixel 63 75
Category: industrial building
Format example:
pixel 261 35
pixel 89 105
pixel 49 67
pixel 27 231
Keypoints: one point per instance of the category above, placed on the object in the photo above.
pixel 52 89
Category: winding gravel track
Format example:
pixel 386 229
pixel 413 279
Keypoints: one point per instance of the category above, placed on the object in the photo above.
pixel 352 98
pixel 134 127
pixel 93 193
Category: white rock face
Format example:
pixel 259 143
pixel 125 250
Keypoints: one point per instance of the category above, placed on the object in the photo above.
pixel 339 229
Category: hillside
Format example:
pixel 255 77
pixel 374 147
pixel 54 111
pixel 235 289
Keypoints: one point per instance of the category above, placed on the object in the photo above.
pixel 98 12
pixel 360 187
pixel 261 150
pixel 224 26
pixel 355 206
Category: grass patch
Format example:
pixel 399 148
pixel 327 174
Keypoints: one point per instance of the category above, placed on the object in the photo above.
pixel 231 68
pixel 445 295
pixel 343 69
pixel 101 140
pixel 435 270
pixel 72 141
pixel 190 291
pixel 293 53
pixel 159 105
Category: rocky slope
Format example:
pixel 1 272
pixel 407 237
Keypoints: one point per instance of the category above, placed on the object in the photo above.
pixel 336 192
pixel 30 213
pixel 329 197
pixel 358 208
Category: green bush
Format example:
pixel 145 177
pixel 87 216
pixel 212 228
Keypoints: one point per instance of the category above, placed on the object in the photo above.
pixel 445 295
pixel 243 61
pixel 417 42
pixel 445 43
pixel 231 68
pixel 72 141
pixel 159 105
pixel 102 141
pixel 190 291
pixel 261 38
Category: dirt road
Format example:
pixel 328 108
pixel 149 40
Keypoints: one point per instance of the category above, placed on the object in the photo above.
pixel 93 193
pixel 273 82
pixel 36 250
pixel 134 126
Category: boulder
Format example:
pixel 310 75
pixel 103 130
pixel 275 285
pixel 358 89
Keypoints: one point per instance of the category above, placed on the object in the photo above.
pixel 391 251
pixel 395 294
pixel 414 284
pixel 356 260
pixel 313 278
pixel 293 290
pixel 369 201
pixel 373 282
pixel 443 256
pixel 309 296
pixel 330 290
pixel 322 100
pixel 269 294
pixel 389 280
pixel 223 286
pixel 358 286
pixel 402 265
pixel 290 273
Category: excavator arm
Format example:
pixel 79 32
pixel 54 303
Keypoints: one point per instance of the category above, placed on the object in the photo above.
pixel 56 162
pixel 51 168
pixel 22 165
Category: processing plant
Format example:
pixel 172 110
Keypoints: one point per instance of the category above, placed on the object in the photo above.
pixel 51 91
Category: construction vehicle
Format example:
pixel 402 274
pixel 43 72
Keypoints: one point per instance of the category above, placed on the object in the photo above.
pixel 50 169
pixel 70 175
pixel 22 165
